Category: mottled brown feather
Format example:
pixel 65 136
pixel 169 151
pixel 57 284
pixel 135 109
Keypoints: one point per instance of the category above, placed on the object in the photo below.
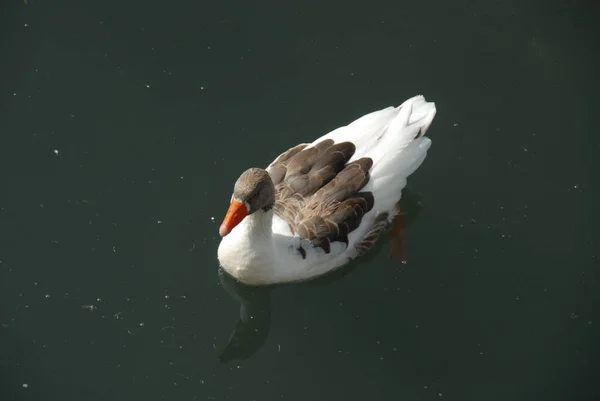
pixel 367 242
pixel 317 191
pixel 278 168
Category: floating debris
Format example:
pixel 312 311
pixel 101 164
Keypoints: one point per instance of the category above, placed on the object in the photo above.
pixel 91 307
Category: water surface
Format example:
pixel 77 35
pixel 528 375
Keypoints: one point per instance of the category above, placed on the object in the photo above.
pixel 124 125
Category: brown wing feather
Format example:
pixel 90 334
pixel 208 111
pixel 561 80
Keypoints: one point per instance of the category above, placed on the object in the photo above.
pixel 318 191
pixel 367 242
pixel 278 168
pixel 299 172
pixel 312 168
pixel 337 208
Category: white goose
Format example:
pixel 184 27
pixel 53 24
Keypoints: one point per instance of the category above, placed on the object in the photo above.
pixel 320 205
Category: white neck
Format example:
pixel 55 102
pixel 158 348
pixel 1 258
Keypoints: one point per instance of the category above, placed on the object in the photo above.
pixel 248 252
pixel 259 225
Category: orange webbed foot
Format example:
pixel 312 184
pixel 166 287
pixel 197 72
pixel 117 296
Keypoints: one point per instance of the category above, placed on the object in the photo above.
pixel 397 238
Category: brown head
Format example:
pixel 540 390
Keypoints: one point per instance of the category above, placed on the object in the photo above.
pixel 253 191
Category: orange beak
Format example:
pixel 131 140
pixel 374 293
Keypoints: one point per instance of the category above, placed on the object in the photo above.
pixel 235 214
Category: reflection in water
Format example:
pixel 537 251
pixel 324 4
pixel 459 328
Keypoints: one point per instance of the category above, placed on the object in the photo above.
pixel 252 328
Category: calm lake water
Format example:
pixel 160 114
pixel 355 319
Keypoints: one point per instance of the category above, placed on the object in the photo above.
pixel 123 126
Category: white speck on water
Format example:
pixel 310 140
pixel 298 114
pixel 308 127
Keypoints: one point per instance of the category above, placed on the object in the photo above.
pixel 15 94
pixel 47 295
pixel 159 221
pixel 56 151
pixel 575 186
pixel 213 219
pixel 25 25
pixel 98 299
pixel 278 347
pixel 147 86
pixel 142 324
pixel 114 249
pixel 25 385
pixel 202 88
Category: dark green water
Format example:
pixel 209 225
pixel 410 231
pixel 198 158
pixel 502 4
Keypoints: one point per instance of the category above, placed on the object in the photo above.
pixel 123 126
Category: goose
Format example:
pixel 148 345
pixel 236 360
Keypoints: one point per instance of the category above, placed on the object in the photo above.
pixel 320 205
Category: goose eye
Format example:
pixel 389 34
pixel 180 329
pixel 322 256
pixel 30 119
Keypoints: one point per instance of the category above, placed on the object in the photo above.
pixel 248 207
